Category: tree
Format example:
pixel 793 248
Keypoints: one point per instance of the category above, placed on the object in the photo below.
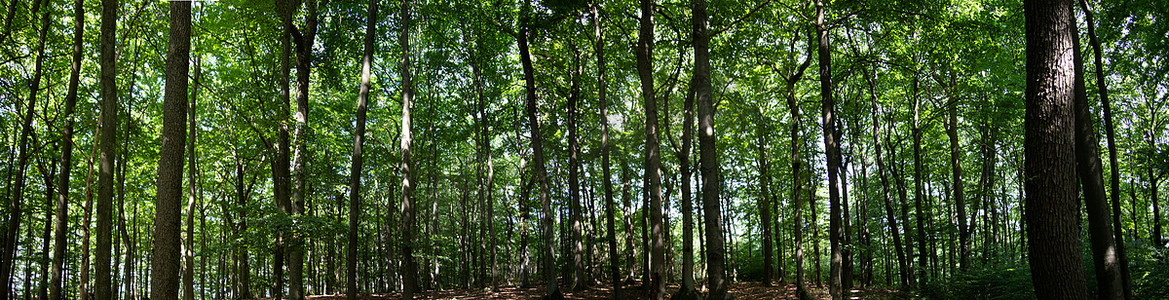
pixel 164 265
pixel 1051 206
pixel 606 164
pixel 11 238
pixel 644 52
pixel 1114 166
pixel 357 158
pixel 832 149
pixel 304 59
pixel 711 207
pixel 105 179
pixel 409 270
pixel 61 220
pixel 1108 282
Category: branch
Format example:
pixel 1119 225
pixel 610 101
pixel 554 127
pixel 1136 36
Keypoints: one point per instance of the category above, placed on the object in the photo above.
pixel 736 22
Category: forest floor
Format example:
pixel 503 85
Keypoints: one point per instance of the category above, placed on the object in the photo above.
pixel 741 291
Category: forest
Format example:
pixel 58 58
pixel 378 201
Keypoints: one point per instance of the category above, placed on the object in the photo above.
pixel 584 149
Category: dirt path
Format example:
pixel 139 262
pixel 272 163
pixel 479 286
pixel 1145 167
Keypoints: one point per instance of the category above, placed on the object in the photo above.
pixel 741 291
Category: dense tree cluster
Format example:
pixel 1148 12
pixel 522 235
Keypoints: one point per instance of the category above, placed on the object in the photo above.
pixel 242 149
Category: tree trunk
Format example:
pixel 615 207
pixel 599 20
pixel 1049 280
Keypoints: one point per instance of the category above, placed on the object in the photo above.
pixel 192 177
pixel 832 151
pixel 890 217
pixel 1051 207
pixel 12 237
pixel 918 192
pixel 540 175
pixel 606 164
pixel 578 278
pixel 645 69
pixel 716 257
pixel 62 216
pixel 1107 266
pixel 409 270
pixel 109 125
pixel 281 180
pixel 764 198
pixel 959 196
pixel 164 264
pixel 356 157
pixel 304 58
pixel 1114 166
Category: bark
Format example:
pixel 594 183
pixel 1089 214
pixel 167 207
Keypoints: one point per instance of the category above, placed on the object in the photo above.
pixel 832 149
pixel 716 255
pixel 890 217
pixel 356 158
pixel 764 198
pixel 644 53
pixel 1051 207
pixel 578 278
pixel 409 270
pixel 796 163
pixel 918 186
pixel 304 59
pixel 164 264
pixel 606 164
pixel 62 216
pixel 12 239
pixel 280 164
pixel 192 178
pixel 1114 166
pixel 1109 285
pixel 109 125
pixel 540 174
pixel 959 195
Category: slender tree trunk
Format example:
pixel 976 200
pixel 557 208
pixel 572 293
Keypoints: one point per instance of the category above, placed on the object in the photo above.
pixel 832 148
pixel 164 264
pixel 606 165
pixel 62 216
pixel 409 270
pixel 1114 166
pixel 918 186
pixel 716 257
pixel 192 177
pixel 12 237
pixel 959 196
pixel 356 157
pixel 764 198
pixel 304 50
pixel 109 125
pixel 281 180
pixel 578 278
pixel 890 217
pixel 1109 285
pixel 1051 206
pixel 644 53
pixel 540 175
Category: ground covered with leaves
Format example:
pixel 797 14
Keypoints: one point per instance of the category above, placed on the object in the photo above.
pixel 741 291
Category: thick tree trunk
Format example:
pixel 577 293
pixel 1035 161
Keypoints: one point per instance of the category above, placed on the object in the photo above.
pixel 1051 207
pixel 281 180
pixel 716 255
pixel 357 158
pixel 645 69
pixel 1107 266
pixel 1114 166
pixel 164 264
pixel 62 216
